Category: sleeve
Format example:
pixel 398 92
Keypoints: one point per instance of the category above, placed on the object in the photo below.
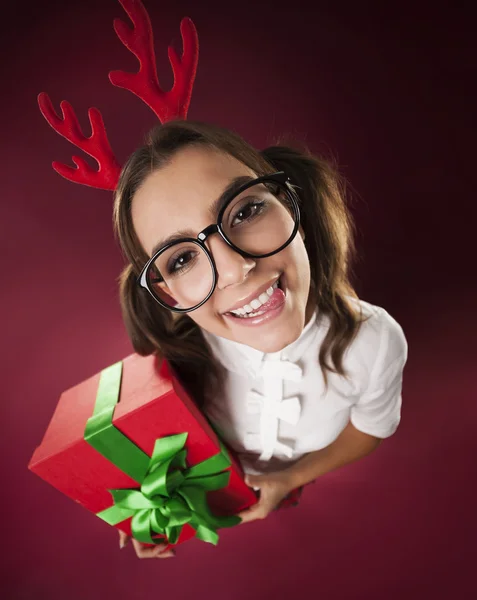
pixel 378 410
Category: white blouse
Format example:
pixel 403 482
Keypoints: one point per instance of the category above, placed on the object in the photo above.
pixel 275 407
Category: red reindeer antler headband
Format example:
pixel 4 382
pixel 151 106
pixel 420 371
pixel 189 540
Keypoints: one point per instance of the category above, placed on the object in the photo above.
pixel 167 105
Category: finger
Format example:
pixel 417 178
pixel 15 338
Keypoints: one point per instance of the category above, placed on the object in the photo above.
pixel 253 514
pixel 247 516
pixel 158 551
pixel 253 482
pixel 123 539
pixel 167 554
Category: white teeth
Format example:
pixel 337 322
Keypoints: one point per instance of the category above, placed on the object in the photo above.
pixel 256 314
pixel 256 302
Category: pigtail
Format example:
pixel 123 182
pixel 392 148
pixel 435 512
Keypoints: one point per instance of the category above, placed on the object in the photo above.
pixel 328 230
pixel 155 330
pixel 138 314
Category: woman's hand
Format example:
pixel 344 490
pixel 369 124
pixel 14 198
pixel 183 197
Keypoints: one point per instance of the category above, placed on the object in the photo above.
pixel 144 551
pixel 273 488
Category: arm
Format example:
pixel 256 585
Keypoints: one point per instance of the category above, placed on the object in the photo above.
pixel 349 446
pixel 377 410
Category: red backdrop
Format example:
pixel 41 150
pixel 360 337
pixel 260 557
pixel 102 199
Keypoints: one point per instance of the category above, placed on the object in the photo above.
pixel 386 88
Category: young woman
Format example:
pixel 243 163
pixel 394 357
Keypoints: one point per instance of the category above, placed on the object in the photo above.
pixel 237 274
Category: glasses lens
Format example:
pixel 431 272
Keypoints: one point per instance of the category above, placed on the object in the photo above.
pixel 261 219
pixel 182 276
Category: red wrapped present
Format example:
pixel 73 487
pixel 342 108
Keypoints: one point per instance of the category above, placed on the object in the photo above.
pixel 131 446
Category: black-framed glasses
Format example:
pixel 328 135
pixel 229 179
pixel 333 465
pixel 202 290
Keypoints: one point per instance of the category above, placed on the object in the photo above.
pixel 258 220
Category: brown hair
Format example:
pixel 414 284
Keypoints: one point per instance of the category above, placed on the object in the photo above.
pixel 326 223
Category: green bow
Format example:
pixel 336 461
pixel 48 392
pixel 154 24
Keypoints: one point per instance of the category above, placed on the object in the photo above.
pixel 171 494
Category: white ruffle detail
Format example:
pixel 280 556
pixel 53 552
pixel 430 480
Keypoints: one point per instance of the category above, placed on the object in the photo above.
pixel 277 448
pixel 282 370
pixel 289 410
pixel 254 403
pixel 284 449
pixel 272 407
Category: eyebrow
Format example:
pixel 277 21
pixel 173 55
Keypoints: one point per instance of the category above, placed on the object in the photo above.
pixel 213 211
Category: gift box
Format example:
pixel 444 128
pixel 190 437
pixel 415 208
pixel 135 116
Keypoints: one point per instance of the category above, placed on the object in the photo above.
pixel 131 446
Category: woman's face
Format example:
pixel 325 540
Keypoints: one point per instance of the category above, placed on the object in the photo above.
pixel 178 197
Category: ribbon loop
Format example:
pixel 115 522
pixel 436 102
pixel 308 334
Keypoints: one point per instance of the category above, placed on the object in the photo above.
pixel 171 494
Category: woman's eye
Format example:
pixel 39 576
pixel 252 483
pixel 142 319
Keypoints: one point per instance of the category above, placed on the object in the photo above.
pixel 247 212
pixel 178 263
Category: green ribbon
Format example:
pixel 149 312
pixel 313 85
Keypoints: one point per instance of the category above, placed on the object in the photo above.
pixel 170 494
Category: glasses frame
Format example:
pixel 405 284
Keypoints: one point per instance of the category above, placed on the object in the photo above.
pixel 278 177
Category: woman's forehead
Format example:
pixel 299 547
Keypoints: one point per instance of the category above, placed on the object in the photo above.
pixel 193 172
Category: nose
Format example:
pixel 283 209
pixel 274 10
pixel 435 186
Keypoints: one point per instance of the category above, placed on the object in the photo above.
pixel 232 267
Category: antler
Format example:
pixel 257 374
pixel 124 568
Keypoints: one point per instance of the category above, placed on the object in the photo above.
pixel 96 145
pixel 139 40
pixel 167 105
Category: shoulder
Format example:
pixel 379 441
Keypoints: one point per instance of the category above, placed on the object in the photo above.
pixel 379 347
pixel 382 331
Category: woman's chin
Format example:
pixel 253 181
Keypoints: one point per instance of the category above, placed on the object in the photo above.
pixel 275 341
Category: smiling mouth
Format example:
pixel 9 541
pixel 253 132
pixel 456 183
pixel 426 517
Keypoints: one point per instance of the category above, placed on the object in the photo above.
pixel 259 305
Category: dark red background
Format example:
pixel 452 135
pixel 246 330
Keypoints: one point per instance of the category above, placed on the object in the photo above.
pixel 385 87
